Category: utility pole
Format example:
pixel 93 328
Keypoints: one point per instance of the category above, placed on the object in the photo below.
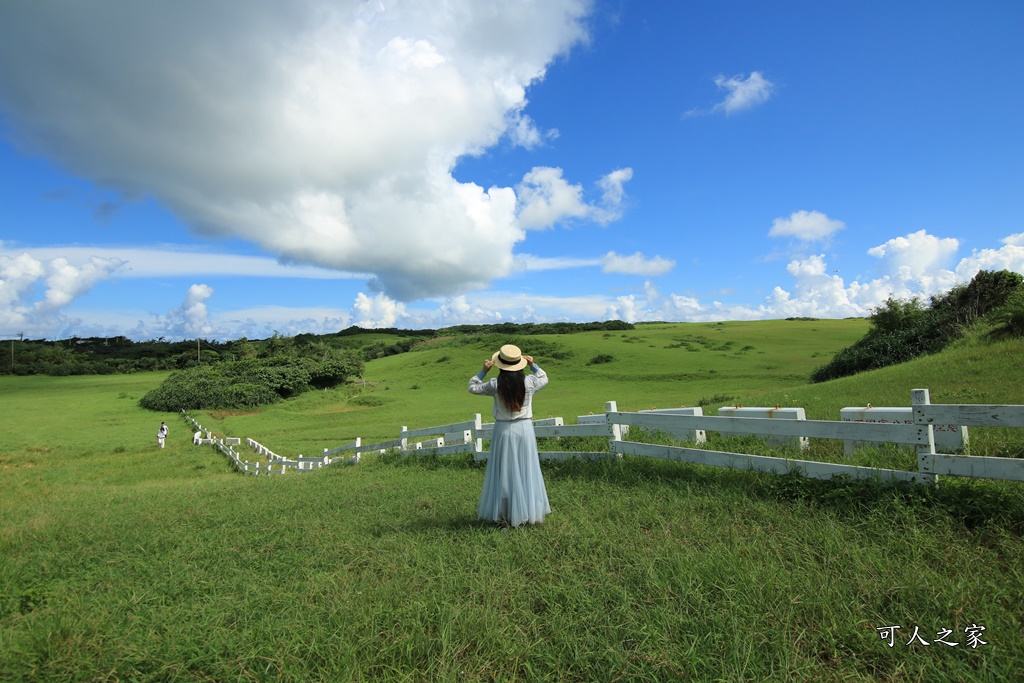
pixel 21 336
pixel 198 359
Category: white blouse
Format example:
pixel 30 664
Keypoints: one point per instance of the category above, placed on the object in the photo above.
pixel 534 383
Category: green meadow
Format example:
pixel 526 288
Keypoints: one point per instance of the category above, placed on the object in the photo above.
pixel 120 561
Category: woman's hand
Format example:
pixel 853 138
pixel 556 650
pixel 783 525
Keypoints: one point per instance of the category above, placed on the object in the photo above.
pixel 529 360
pixel 488 364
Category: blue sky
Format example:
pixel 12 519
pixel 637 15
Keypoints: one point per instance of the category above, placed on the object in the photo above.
pixel 233 169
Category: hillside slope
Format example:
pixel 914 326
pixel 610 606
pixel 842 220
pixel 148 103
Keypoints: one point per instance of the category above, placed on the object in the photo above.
pixel 658 365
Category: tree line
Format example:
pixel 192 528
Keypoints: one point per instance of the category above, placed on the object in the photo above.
pixel 119 354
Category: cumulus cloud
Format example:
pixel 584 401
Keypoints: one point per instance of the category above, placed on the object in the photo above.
pixel 636 264
pixel 66 282
pixel 191 319
pixel 324 132
pixel 34 293
pixel 546 198
pixel 377 311
pixel 918 255
pixel 1009 257
pixel 1016 240
pixel 807 226
pixel 18 274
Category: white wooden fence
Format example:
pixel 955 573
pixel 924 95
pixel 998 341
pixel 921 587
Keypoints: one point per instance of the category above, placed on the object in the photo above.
pixel 275 464
pixel 691 425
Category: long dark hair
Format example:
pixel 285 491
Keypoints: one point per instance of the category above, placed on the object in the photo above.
pixel 512 389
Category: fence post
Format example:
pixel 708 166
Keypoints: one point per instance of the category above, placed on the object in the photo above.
pixel 404 439
pixel 478 442
pixel 616 429
pixel 926 446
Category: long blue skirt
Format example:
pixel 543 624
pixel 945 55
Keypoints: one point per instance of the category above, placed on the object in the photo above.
pixel 513 490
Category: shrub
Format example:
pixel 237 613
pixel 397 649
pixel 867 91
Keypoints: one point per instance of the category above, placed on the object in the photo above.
pixel 904 329
pixel 247 395
pixel 986 292
pixel 1011 315
pixel 247 383
pixel 601 358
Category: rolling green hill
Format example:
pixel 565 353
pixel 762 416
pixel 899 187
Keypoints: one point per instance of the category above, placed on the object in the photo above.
pixel 655 365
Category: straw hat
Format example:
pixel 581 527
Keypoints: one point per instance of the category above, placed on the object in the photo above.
pixel 509 357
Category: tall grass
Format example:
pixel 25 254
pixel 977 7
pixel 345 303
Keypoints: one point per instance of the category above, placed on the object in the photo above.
pixel 122 562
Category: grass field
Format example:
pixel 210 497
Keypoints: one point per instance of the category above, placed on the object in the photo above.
pixel 122 562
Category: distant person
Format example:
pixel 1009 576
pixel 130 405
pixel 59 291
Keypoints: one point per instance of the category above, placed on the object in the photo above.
pixel 161 434
pixel 513 492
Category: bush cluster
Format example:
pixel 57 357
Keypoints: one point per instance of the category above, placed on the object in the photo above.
pixel 383 349
pixel 903 329
pixel 248 383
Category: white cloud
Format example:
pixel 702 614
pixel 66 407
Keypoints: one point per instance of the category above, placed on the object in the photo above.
pixel 180 261
pixel 324 132
pixel 636 264
pixel 377 311
pixel 66 282
pixel 913 265
pixel 34 293
pixel 624 309
pixel 18 274
pixel 813 290
pixel 530 262
pixel 743 93
pixel 917 255
pixel 613 194
pixel 192 318
pixel 1009 257
pixel 523 132
pixel 1014 240
pixel 546 198
pixel 809 226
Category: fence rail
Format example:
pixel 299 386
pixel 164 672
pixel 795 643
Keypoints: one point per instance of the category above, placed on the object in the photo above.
pixel 275 464
pixel 691 425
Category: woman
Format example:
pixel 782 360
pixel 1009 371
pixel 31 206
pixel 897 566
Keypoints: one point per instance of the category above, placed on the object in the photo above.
pixel 513 492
